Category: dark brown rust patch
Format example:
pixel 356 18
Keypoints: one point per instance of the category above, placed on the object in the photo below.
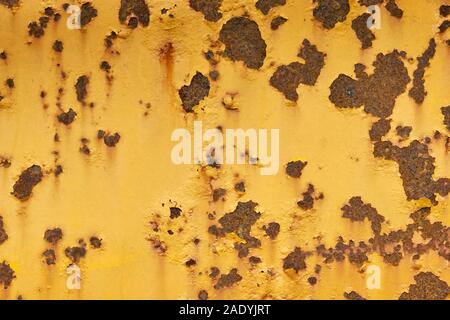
pixel 307 202
pixel 95 242
pixel 37 29
pixel 277 22
pixel 392 246
pixel 6 274
pixel 219 194
pixel 58 46
pixel 81 88
pixel 446 113
pixel 294 168
pixel 416 168
pixel 109 39
pixel 353 295
pixel 444 26
pixel 393 258
pixel 418 92
pixel 330 12
pixel 53 235
pixel 190 263
pixel 195 92
pixel 240 222
pixel 10 3
pixel 314 62
pixel 357 254
pixel 203 295
pixel 49 11
pixel 359 25
pixel 240 187
pixel 105 66
pixel 209 8
pixel 369 2
pixel 214 272
pixel 357 210
pixel 427 287
pixel 287 78
pixel 67 117
pixel 5 162
pixel 28 179
pixel 243 42
pixel 265 5
pixel 175 212
pixel 227 280
pixel 444 10
pixel 134 8
pixel 254 260
pixel 111 140
pixel 87 14
pixel 312 280
pixel 403 131
pixel 49 256
pixel 3 234
pixel 393 9
pixel 379 129
pixel 272 230
pixel 84 147
pixel 58 170
pixel 158 245
pixel 10 83
pixel 296 260
pixel 214 75
pixel 377 92
pixel 101 134
pixel 76 253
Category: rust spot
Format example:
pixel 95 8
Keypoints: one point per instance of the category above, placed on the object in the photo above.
pixel 28 179
pixel 243 42
pixel 195 92
pixel 53 235
pixel 428 286
pixel 227 280
pixel 6 274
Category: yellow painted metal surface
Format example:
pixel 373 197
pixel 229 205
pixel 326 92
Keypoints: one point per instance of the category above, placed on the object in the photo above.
pixel 115 193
